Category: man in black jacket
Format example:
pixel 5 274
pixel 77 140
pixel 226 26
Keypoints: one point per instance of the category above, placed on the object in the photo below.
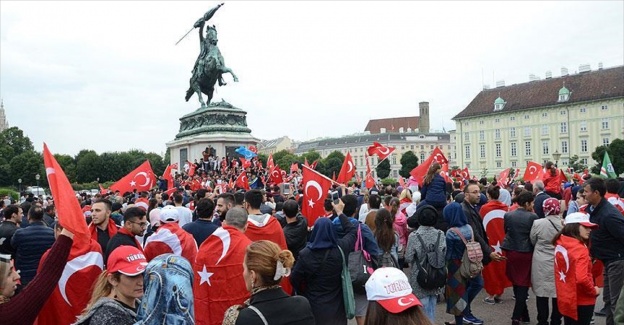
pixel 30 244
pixel 135 223
pixel 540 197
pixel 295 228
pixel 472 197
pixel 607 242
pixel 12 217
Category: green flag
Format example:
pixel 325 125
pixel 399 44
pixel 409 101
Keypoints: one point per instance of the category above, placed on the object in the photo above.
pixel 607 167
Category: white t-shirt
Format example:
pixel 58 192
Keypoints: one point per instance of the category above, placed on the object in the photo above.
pixel 185 215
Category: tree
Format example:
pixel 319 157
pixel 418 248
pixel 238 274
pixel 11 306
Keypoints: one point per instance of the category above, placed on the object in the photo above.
pixel 332 166
pixel 575 164
pixel 25 166
pixel 408 161
pixel 263 159
pixel 311 156
pixel 68 164
pixel 13 143
pixel 285 161
pixel 335 154
pixel 615 151
pixel 278 155
pixel 87 166
pixel 383 169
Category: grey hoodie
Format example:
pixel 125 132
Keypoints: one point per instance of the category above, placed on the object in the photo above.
pixel 107 311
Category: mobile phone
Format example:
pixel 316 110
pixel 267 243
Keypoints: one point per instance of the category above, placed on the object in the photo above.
pixel 334 197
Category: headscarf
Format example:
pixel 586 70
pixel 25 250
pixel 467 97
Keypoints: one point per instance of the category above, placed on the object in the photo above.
pixel 454 215
pixel 551 207
pixel 323 235
pixel 505 197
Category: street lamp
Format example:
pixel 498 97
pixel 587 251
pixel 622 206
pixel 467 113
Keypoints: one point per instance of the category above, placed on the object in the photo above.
pixel 37 177
pixel 556 156
pixel 19 180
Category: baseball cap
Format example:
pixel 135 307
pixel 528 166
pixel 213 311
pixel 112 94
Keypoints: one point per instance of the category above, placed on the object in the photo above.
pixel 580 217
pixel 391 289
pixel 127 260
pixel 551 207
pixel 169 214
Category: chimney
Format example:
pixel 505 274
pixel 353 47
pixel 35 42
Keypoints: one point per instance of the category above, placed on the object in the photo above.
pixel 500 83
pixel 548 74
pixel 599 65
pixel 584 68
pixel 564 71
pixel 533 77
pixel 423 120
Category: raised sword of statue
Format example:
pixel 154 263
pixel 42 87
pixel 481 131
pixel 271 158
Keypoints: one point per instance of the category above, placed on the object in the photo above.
pixel 198 23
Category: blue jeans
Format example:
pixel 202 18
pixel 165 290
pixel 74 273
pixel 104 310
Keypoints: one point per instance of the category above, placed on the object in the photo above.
pixel 429 304
pixel 473 287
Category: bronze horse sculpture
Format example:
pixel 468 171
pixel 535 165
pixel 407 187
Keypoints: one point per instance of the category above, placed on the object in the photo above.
pixel 209 66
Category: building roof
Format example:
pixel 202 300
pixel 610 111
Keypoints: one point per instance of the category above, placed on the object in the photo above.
pixel 392 124
pixel 271 143
pixel 586 86
pixel 363 140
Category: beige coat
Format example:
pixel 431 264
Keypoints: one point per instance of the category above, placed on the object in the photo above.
pixel 543 267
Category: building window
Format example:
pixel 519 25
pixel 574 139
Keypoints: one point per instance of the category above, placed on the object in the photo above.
pixel 481 122
pixel 526 117
pixel 527 148
pixel 584 161
pixel 498 150
pixel 605 123
pixel 402 147
pixel 583 145
pixel 527 131
pixel 498 164
pixel 467 152
pixel 513 118
pixel 564 127
pixel 583 126
pixel 422 156
pixel 465 123
pixel 422 147
pixel 412 147
pixel 497 133
pixel 394 159
pixel 544 148
pixel 564 146
pixel 482 150
pixel 514 151
pixel 513 164
pixel 497 120
pixel 583 109
pixel 544 129
pixel 431 147
pixel 544 114
pixel 605 142
pixel 512 132
pixel 481 135
pixel 604 107
pixel 562 113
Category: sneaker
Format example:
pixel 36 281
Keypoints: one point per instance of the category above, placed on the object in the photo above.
pixel 498 300
pixel 471 319
pixel 489 301
pixel 602 312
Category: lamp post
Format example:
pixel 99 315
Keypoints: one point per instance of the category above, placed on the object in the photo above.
pixel 556 156
pixel 19 180
pixel 37 177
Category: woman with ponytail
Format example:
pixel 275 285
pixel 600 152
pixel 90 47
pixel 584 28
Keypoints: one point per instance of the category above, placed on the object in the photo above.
pixel 264 266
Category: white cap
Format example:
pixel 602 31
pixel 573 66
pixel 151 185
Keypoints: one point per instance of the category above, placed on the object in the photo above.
pixel 391 289
pixel 169 214
pixel 580 217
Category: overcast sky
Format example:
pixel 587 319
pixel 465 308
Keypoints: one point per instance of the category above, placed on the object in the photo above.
pixel 106 75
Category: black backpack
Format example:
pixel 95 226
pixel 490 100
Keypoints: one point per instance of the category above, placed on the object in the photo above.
pixel 430 276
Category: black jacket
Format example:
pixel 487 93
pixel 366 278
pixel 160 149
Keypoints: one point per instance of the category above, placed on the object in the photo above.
pixel 7 229
pixel 119 239
pixel 296 234
pixel 607 242
pixel 316 276
pixel 518 225
pixel 474 220
pixel 30 244
pixel 538 202
pixel 277 308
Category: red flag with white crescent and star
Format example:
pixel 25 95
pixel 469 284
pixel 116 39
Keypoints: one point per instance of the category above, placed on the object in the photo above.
pixel 503 178
pixel 370 182
pixel 242 181
pixel 532 172
pixel 192 167
pixel 218 281
pixel 494 277
pixel 381 151
pixel 566 281
pixel 170 238
pixel 313 166
pixel 85 261
pixel 275 175
pixel 270 164
pixel 174 166
pixel 102 189
pixel 141 179
pixel 347 171
pixel 315 188
pixel 419 172
pixel 465 173
pixel 167 175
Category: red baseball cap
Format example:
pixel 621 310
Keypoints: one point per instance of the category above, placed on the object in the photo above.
pixel 391 289
pixel 127 260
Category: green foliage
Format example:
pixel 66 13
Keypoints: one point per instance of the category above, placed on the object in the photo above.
pixel 616 154
pixel 167 159
pixel 278 155
pixel 285 161
pixel 11 193
pixel 13 143
pixel 25 166
pixel 409 161
pixel 575 163
pixel 383 169
pixel 335 154
pixel 389 181
pixel 263 159
pixel 311 155
pixel 87 166
pixel 332 166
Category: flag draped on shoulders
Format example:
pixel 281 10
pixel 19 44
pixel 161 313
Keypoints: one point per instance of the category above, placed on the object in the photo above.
pixel 170 238
pixel 494 277
pixel 218 275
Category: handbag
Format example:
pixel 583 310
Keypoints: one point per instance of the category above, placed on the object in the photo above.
pixel 347 288
pixel 360 264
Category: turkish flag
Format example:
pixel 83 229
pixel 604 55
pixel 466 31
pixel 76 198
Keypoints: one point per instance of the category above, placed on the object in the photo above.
pixel 379 150
pixel 420 171
pixel 358 179
pixel 170 238
pixel 347 171
pixel 532 172
pixel 294 167
pixel 465 173
pixel 174 166
pixel 270 163
pixel 192 167
pixel 315 188
pixel 242 181
pixel 244 162
pixel 313 166
pixel 67 207
pixel 167 175
pixel 141 179
pixel 275 175
pixel 503 177
pixel 305 162
pixel 102 189
pixel 565 279
pixel 494 277
pixel 269 228
pixel 370 182
pixel 218 275
pixel 253 149
pixel 456 173
pixel 445 174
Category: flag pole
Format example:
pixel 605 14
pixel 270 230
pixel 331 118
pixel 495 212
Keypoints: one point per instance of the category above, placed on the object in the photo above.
pixel 327 178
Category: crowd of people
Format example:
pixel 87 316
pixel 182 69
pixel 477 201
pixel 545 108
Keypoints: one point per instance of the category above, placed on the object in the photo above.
pixel 202 250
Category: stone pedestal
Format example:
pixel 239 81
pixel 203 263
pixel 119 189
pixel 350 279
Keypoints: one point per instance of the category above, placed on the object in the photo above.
pixel 220 126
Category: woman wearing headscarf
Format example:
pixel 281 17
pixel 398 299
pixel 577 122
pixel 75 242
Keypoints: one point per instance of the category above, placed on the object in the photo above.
pixel 519 252
pixel 505 197
pixel 543 262
pixel 316 274
pixel 457 297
